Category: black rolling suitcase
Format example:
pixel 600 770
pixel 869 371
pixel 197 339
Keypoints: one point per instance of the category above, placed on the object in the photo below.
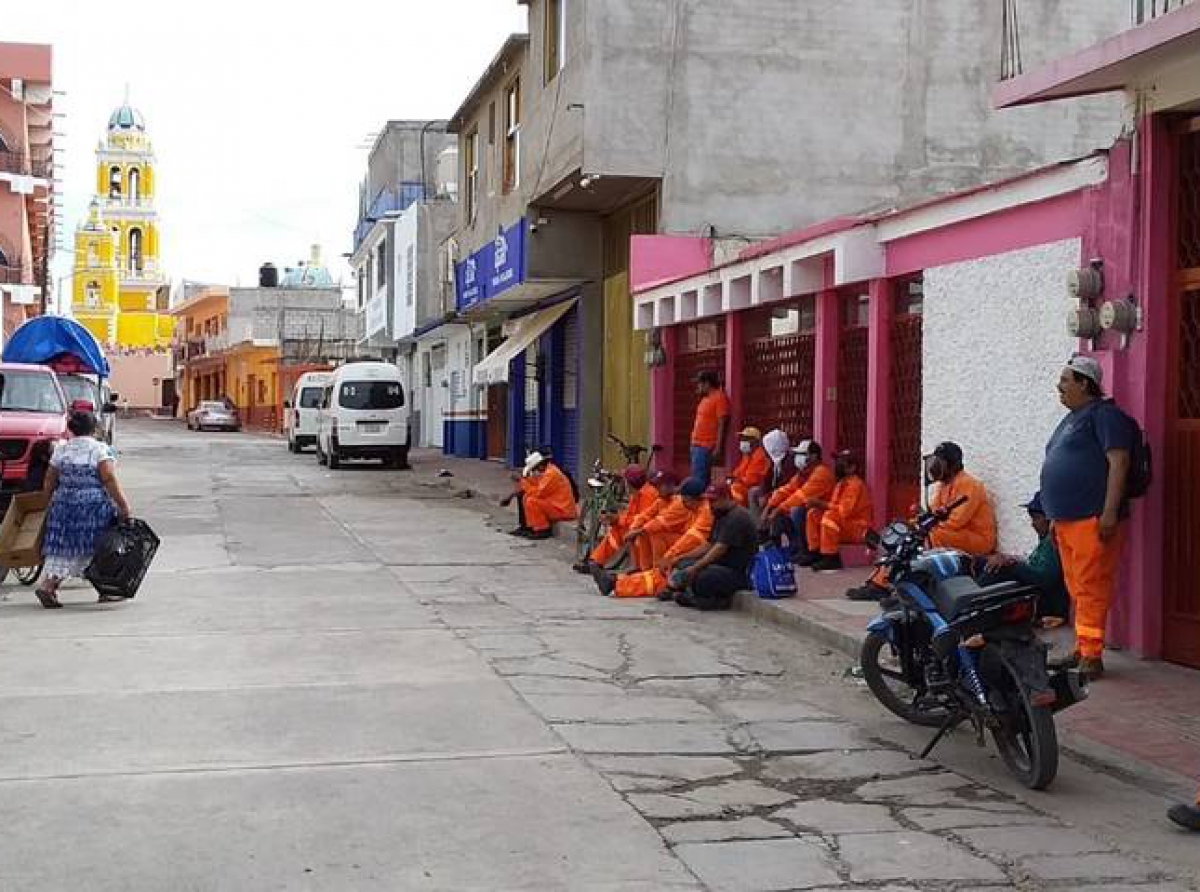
pixel 122 559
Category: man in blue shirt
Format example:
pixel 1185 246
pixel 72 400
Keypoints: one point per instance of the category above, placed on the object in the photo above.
pixel 1084 479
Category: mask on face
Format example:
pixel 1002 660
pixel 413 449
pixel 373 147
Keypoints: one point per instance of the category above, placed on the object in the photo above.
pixel 746 447
pixel 840 470
pixel 801 462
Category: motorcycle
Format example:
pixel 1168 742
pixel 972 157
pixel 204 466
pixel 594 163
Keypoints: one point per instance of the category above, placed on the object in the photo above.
pixel 947 651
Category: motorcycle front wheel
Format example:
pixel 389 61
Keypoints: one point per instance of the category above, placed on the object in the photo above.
pixel 884 675
pixel 1025 736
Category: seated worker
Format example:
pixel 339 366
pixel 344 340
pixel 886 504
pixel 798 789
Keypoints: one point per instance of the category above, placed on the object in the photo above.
pixel 684 524
pixel 787 510
pixel 543 496
pixel 971 527
pixel 752 468
pixel 778 449
pixel 1042 568
pixel 721 566
pixel 842 519
pixel 642 545
pixel 641 497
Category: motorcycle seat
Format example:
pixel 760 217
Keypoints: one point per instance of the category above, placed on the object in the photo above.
pixel 958 595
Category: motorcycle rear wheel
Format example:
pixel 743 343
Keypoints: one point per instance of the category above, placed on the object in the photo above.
pixel 890 688
pixel 1027 740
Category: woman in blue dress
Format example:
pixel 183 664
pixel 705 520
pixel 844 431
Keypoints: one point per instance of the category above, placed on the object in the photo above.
pixel 85 500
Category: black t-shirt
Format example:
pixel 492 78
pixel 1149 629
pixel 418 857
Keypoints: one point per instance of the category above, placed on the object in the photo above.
pixel 738 533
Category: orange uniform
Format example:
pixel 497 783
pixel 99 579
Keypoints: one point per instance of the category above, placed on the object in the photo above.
pixel 845 522
pixel 712 408
pixel 817 483
pixel 547 498
pixel 971 527
pixel 642 548
pixel 751 471
pixel 1090 571
pixel 650 582
pixel 641 501
pixel 669 522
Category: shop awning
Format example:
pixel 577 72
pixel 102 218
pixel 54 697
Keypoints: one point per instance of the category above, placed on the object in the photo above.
pixel 493 369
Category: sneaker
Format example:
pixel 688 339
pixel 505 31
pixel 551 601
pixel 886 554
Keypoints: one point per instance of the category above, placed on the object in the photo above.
pixel 605 581
pixel 667 594
pixel 684 599
pixel 828 563
pixel 868 592
pixel 583 568
pixel 1091 668
pixel 1186 816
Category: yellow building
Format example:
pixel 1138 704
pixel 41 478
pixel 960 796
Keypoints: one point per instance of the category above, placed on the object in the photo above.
pixel 118 288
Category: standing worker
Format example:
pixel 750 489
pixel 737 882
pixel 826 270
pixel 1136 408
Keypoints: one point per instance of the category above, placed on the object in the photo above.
pixel 1084 479
pixel 710 426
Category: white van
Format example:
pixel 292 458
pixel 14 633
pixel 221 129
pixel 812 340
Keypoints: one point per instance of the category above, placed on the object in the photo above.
pixel 300 412
pixel 364 414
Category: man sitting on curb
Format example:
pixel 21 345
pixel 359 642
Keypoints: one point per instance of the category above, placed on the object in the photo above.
pixel 787 510
pixel 642 497
pixel 543 497
pixel 843 519
pixel 672 526
pixel 1042 569
pixel 720 567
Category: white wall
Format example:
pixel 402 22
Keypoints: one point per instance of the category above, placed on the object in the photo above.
pixel 405 261
pixel 995 340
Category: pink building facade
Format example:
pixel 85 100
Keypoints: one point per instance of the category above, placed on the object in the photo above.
pixel 952 320
pixel 26 178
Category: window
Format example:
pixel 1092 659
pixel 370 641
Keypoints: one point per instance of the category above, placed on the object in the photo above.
pixel 30 392
pixel 310 398
pixel 371 395
pixel 114 182
pixel 135 250
pixel 135 183
pixel 471 166
pixel 91 296
pixel 410 277
pixel 512 136
pixel 3 258
pixel 555 36
pixel 381 265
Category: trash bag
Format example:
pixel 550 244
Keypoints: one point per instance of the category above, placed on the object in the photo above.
pixel 773 574
pixel 122 559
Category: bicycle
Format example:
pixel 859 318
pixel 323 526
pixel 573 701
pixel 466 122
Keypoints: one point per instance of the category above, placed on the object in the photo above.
pixel 606 496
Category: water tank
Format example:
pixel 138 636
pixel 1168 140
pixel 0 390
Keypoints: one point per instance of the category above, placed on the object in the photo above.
pixel 447 172
pixel 268 276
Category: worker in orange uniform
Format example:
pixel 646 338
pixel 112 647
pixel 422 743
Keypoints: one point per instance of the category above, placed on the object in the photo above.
pixel 787 510
pixel 682 526
pixel 752 468
pixel 1084 493
pixel 641 545
pixel 971 527
pixel 543 496
pixel 710 426
pixel 842 519
pixel 641 496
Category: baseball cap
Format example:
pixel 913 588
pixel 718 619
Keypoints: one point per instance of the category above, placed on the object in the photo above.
pixel 949 451
pixel 692 488
pixel 718 491
pixel 1088 367
pixel 803 446
pixel 634 475
pixel 750 433
pixel 1034 505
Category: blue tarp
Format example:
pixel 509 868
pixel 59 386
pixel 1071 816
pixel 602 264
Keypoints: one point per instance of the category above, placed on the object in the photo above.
pixel 45 338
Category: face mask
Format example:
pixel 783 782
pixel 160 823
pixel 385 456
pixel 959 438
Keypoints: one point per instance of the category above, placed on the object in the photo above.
pixel 801 462
pixel 745 447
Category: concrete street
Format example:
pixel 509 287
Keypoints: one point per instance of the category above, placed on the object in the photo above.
pixel 354 681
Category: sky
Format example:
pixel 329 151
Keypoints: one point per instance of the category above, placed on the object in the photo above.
pixel 261 112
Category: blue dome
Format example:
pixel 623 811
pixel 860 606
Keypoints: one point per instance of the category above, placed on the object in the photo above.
pixel 126 118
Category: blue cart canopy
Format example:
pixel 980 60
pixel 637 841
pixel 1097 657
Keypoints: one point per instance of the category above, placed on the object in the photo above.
pixel 47 340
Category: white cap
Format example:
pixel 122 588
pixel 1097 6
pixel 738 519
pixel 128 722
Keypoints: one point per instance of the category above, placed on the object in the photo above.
pixel 1088 367
pixel 802 447
pixel 532 461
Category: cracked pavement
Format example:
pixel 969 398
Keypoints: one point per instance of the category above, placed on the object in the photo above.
pixel 354 681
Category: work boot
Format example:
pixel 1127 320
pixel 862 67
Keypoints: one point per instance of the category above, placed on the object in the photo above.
pixel 1186 816
pixel 583 568
pixel 520 532
pixel 539 535
pixel 1091 668
pixel 868 592
pixel 828 563
pixel 807 559
pixel 667 594
pixel 605 581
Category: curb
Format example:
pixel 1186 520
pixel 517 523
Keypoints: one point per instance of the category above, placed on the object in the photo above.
pixel 771 613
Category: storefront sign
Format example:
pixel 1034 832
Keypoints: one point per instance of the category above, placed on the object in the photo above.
pixel 493 269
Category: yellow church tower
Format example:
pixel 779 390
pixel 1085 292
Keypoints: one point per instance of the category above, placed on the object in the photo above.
pixel 118 290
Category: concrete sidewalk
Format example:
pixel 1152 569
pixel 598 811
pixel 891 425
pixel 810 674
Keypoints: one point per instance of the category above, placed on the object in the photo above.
pixel 1142 722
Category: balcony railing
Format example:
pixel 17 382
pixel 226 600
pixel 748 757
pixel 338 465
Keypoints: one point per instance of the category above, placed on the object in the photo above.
pixel 12 273
pixel 124 202
pixel 20 163
pixel 1145 10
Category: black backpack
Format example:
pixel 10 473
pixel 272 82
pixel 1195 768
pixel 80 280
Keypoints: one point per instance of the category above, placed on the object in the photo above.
pixel 1141 459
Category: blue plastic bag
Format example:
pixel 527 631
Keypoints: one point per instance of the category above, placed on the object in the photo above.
pixel 773 574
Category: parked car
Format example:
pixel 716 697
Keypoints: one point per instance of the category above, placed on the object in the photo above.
pixel 300 413
pixel 81 389
pixel 364 415
pixel 213 415
pixel 33 407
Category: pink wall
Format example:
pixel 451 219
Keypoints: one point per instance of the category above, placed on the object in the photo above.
pixel 657 259
pixel 134 374
pixel 879 393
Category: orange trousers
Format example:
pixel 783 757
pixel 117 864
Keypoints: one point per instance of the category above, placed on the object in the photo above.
pixel 540 515
pixel 646 584
pixel 1090 570
pixel 609 547
pixel 975 544
pixel 827 531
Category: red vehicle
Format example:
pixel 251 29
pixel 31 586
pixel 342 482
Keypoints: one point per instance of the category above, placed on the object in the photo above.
pixel 32 407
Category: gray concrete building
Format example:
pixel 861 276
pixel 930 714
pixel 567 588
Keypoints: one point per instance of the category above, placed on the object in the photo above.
pixel 738 119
